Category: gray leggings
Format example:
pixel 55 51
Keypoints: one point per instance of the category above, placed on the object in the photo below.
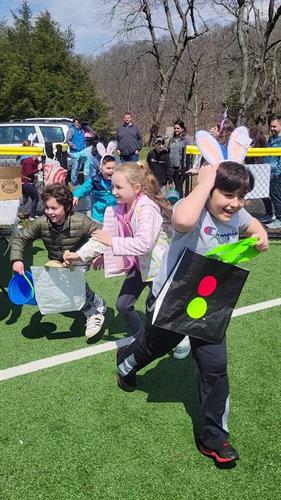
pixel 129 293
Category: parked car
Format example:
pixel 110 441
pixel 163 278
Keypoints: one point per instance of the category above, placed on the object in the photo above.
pixel 52 130
pixel 89 132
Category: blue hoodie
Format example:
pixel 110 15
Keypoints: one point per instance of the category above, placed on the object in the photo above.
pixel 75 137
pixel 275 161
pixel 102 191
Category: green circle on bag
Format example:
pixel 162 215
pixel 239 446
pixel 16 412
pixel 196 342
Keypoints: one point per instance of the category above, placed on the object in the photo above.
pixel 197 308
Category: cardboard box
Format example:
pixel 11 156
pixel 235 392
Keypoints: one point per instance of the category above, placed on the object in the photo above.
pixel 10 183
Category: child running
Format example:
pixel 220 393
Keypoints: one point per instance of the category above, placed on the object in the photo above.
pixel 133 241
pixel 216 202
pixel 99 187
pixel 29 167
pixel 61 230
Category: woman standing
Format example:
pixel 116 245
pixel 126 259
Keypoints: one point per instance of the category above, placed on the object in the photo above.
pixel 177 154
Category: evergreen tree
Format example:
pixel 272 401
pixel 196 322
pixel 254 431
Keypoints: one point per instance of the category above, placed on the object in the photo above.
pixel 41 75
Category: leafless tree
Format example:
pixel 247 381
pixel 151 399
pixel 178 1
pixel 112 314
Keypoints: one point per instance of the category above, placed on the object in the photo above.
pixel 259 39
pixel 174 20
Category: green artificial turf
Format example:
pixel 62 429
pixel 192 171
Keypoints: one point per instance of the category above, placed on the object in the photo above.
pixel 69 433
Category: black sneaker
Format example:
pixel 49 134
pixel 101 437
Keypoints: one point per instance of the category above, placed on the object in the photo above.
pixel 223 453
pixel 127 384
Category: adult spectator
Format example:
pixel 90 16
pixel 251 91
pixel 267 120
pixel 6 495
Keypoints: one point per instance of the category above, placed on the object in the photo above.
pixel 158 160
pixel 177 154
pixel 275 162
pixel 75 138
pixel 215 130
pixel 91 160
pixel 225 133
pixel 259 141
pixel 129 139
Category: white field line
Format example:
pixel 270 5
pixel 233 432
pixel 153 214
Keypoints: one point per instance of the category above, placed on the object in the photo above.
pixel 42 364
pixel 256 307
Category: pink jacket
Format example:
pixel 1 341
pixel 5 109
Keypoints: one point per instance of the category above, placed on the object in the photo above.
pixel 148 242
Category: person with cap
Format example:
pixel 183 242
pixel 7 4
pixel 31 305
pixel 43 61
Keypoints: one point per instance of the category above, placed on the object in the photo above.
pixel 158 160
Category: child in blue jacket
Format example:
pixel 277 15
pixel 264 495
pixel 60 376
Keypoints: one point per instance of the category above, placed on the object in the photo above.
pixel 100 187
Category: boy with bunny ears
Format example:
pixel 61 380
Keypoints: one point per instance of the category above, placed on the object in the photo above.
pixel 99 186
pixel 210 215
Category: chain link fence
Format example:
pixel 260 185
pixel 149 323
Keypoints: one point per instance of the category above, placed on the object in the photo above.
pixel 261 173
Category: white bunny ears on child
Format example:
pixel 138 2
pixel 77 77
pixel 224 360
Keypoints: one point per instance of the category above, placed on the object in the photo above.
pixel 238 145
pixel 111 147
pixel 31 137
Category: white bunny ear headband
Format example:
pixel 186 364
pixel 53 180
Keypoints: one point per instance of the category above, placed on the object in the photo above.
pixel 111 147
pixel 31 137
pixel 238 145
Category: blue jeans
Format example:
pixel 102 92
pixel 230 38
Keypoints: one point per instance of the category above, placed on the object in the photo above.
pixel 30 191
pixel 89 199
pixel 75 160
pixel 132 157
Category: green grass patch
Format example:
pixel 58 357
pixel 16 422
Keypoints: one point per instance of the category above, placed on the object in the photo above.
pixel 69 433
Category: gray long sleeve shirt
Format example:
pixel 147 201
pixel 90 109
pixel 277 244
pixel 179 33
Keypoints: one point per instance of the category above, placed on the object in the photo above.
pixel 129 139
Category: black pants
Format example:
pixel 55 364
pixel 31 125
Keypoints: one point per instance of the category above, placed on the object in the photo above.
pixel 275 194
pixel 211 360
pixel 178 181
pixel 129 293
pixel 29 190
pixel 268 206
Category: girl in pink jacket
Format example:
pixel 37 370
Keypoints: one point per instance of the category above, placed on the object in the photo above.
pixel 132 237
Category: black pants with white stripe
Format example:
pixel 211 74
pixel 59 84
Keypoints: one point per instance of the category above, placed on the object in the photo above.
pixel 211 360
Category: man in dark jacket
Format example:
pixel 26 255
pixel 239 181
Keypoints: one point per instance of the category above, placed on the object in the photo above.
pixel 158 160
pixel 61 230
pixel 129 140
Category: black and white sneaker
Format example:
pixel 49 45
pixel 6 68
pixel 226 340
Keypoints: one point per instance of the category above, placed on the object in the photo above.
pixel 93 325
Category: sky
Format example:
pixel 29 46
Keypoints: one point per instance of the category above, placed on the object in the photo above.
pixel 84 16
pixel 87 19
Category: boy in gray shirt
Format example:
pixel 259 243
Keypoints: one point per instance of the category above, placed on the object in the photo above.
pixel 210 215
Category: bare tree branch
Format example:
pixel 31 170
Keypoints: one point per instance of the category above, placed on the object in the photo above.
pixel 169 22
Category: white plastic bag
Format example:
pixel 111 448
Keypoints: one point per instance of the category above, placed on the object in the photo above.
pixel 59 290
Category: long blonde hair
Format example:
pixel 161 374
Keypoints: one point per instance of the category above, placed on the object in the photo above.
pixel 140 173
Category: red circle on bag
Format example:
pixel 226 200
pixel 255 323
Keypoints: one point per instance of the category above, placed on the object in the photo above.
pixel 207 286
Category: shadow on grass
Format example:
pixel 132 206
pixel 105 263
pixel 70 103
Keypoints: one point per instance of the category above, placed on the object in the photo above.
pixel 173 381
pixel 7 308
pixel 116 324
pixel 38 329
